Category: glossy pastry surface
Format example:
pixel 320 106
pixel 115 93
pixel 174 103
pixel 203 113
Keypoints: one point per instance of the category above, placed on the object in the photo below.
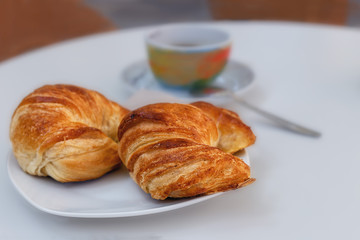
pixel 183 150
pixel 66 132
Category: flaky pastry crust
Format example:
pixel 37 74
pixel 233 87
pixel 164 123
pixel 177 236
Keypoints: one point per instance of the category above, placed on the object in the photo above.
pixel 66 132
pixel 183 150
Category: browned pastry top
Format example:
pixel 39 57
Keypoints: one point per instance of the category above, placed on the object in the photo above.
pixel 183 150
pixel 66 132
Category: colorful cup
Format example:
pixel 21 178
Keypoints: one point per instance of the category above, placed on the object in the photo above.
pixel 186 56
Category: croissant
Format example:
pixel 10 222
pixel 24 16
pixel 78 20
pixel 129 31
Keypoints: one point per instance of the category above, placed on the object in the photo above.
pixel 66 132
pixel 183 150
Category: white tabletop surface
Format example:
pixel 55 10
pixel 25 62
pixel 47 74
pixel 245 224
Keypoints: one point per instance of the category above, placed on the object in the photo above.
pixel 306 188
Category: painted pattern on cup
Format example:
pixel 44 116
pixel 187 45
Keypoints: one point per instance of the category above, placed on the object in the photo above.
pixel 187 69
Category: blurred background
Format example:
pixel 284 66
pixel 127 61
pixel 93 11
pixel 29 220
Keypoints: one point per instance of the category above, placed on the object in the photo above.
pixel 28 24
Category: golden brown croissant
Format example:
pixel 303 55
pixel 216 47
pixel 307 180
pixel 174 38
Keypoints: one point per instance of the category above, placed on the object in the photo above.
pixel 66 132
pixel 182 150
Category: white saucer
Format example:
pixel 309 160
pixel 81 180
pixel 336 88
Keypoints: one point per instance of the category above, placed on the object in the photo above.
pixel 235 77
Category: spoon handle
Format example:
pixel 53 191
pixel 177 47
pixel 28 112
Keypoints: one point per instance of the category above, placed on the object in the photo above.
pixel 279 120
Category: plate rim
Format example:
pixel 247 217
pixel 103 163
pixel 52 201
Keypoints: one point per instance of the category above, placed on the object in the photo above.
pixel 11 161
pixel 143 61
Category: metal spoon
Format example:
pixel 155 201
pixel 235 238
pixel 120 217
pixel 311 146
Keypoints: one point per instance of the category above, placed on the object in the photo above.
pixel 203 92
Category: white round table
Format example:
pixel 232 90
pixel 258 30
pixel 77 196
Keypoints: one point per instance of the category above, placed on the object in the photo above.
pixel 306 188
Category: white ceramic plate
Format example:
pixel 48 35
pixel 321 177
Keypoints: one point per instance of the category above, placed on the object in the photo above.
pixel 235 77
pixel 113 195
